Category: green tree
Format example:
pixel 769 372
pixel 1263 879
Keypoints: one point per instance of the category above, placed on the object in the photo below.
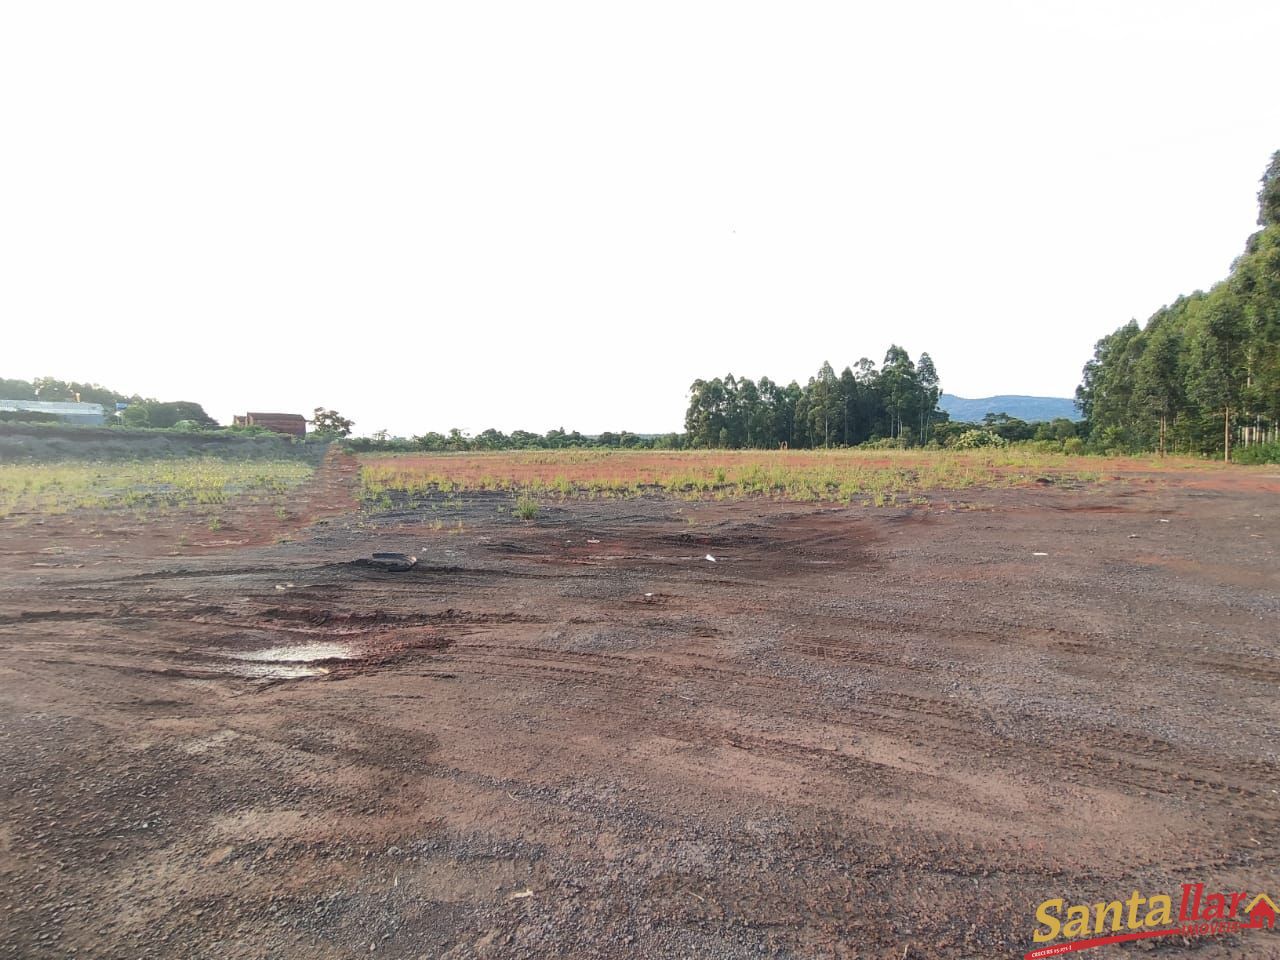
pixel 768 421
pixel 1158 376
pixel 50 388
pixel 1269 195
pixel 705 416
pixel 747 415
pixel 824 405
pixel 900 387
pixel 734 423
pixel 930 391
pixel 848 407
pixel 16 390
pixel 162 416
pixel 491 439
pixel 1105 395
pixel 331 423
pixel 1218 357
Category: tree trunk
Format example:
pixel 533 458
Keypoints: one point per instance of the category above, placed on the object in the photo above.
pixel 1226 434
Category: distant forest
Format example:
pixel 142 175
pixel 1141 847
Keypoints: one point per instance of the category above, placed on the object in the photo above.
pixel 897 402
pixel 1203 374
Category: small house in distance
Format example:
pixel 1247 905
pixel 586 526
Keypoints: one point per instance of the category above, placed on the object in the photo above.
pixel 85 414
pixel 290 424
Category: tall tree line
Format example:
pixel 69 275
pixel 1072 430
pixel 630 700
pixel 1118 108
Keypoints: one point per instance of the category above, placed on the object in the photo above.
pixel 898 401
pixel 1203 373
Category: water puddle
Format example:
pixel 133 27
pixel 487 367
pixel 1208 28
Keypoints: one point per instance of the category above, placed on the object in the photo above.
pixel 299 653
pixel 291 661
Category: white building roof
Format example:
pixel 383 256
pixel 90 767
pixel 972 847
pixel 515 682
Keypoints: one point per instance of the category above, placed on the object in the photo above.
pixel 51 406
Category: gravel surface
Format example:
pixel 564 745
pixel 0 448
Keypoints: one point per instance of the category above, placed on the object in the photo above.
pixel 874 733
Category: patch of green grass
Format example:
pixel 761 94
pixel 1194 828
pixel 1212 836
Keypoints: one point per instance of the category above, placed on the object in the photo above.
pixel 145 487
pixel 879 477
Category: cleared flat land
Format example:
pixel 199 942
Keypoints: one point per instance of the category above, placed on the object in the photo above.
pixel 863 731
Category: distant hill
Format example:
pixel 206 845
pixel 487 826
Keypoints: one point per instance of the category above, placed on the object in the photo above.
pixel 1030 409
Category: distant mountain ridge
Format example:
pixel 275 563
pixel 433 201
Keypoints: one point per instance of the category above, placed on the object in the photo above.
pixel 1030 409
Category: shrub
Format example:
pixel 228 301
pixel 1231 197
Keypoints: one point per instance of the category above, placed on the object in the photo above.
pixel 976 439
pixel 1259 453
pixel 526 508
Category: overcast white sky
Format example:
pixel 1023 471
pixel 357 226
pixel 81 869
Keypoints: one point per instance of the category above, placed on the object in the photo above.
pixel 542 214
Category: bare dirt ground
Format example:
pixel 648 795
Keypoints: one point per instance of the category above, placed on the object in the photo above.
pixel 859 733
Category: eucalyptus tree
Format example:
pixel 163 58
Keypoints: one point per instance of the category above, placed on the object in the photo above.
pixel 900 386
pixel 1158 374
pixel 930 391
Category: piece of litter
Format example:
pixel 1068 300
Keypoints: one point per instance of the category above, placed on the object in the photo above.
pixel 1163 520
pixel 1133 536
pixel 648 594
pixel 1037 554
pixel 711 558
pixel 521 894
pixel 593 541
pixel 281 586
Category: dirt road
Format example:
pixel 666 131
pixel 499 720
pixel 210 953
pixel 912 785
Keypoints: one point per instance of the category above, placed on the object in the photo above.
pixel 857 733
